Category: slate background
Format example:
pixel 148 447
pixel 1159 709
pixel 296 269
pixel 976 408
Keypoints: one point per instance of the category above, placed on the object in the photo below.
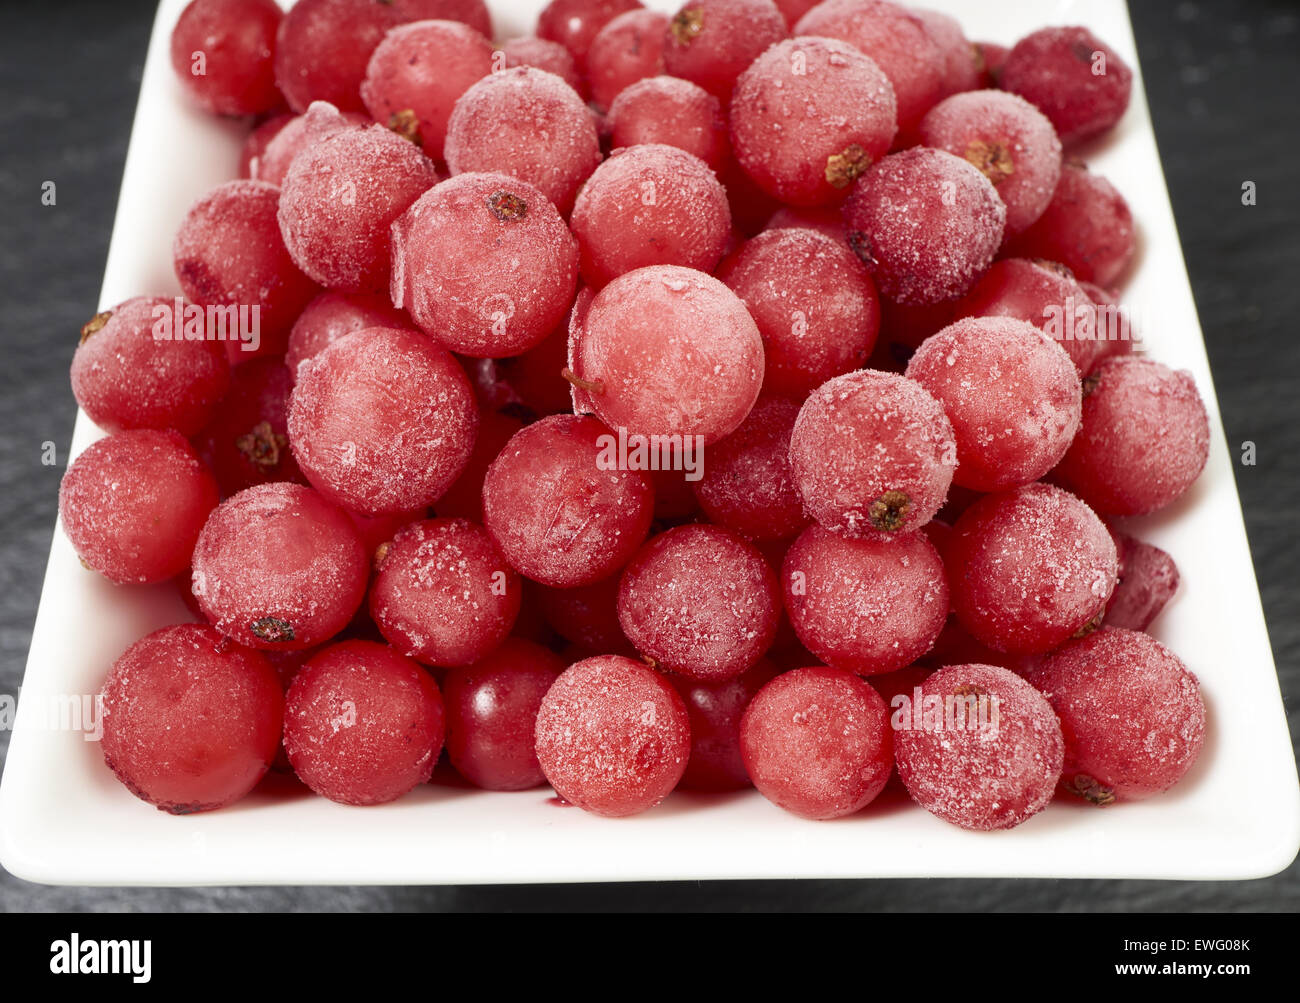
pixel 1222 83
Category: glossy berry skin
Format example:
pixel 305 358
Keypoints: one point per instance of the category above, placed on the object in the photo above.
pixel 1029 568
pixel 672 112
pixel 123 376
pixel 715 710
pixel 627 49
pixel 816 742
pixel 925 223
pixel 492 710
pixel 133 505
pixel 711 42
pixel 808 117
pixel 872 453
pixel 279 567
pixel 322 49
pixel 247 441
pixel 986 754
pixel 485 265
pixel 443 593
pixel 867 606
pixel 1143 440
pixel 1074 78
pixel 576 23
pixel 232 42
pixel 330 316
pixel 1011 394
pixel 699 601
pixel 558 515
pixel 362 724
pixel 190 721
pixel 1132 715
pixel 372 449
pixel 613 737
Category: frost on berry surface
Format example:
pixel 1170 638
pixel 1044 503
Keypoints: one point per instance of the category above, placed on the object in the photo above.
pixel 897 40
pixel 133 505
pixel 383 420
pixel 330 316
pixel 808 117
pixel 492 710
pixel 542 54
pixel 699 601
pixel 484 264
pixel 925 223
pixel 559 517
pixel 650 205
pixel 816 742
pixel 529 124
pixel 867 606
pixel 613 737
pixel 339 200
pixel 1011 394
pixel 815 306
pixel 994 762
pixel 1133 715
pixel 237 40
pixel 673 112
pixel 667 350
pixel 277 566
pixel 301 132
pixel 1148 579
pixel 715 710
pixel 190 721
pixel 1078 81
pixel 247 441
pixel 748 486
pixel 362 724
pixel 229 252
pixel 872 453
pixel 627 49
pixel 962 66
pixel 123 377
pixel 576 23
pixel 1009 140
pixel 1029 568
pixel 711 42
pixel 443 593
pixel 1143 440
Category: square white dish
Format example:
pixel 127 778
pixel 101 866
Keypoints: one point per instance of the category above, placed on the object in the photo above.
pixel 65 820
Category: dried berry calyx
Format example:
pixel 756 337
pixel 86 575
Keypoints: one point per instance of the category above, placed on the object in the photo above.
pixel 591 386
pixel 507 206
pixel 1091 790
pixel 889 511
pixel 262 446
pixel 406 124
pixel 860 244
pixel 1091 625
pixel 94 324
pixel 686 25
pixel 843 168
pixel 1091 382
pixel 380 553
pixel 270 628
pixel 993 160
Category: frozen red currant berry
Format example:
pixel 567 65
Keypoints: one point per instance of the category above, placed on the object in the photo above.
pixel 815 306
pixel 190 721
pixel 808 117
pixel 1143 441
pixel 1074 78
pixel 627 49
pixel 464 499
pixel 613 737
pixel 255 143
pixel 362 724
pixel 247 442
pixel 416 75
pixel 485 265
pixel 982 751
pixel 667 350
pixel 576 23
pixel 543 54
pixel 1011 393
pixel 330 316
pixel 1010 141
pixel 559 506
pixel 323 46
pixel 1148 579
pixel 1030 568
pixel 872 452
pixel 699 601
pixel 133 505
pixel 962 66
pixel 471 12
pixel 492 710
pixel 300 133
pixel 229 256
pixel 383 420
pixel 529 124
pixel 443 593
pixel 672 112
pixel 1132 715
pixel 277 566
pixel 222 53
pixel 715 711
pixel 650 205
pixel 925 223
pixel 124 376
pixel 868 606
pixel 711 42
pixel 816 742
pixel 586 616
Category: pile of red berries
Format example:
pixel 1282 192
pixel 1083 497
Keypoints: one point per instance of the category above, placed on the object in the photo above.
pixel 657 401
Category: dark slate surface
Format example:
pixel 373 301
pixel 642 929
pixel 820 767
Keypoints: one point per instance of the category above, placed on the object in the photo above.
pixel 1222 82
